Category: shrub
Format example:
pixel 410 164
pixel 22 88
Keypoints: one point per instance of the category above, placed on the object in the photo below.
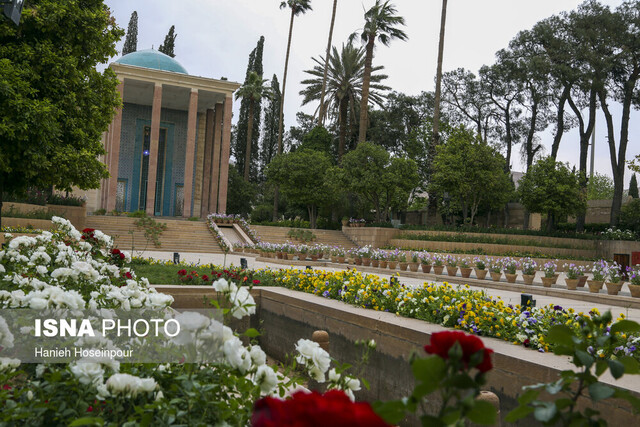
pixel 71 200
pixel 630 216
pixel 137 214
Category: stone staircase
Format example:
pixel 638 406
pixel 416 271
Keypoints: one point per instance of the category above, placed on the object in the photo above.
pixel 180 235
pixel 325 237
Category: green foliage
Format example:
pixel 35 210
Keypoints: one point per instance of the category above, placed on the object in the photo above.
pixel 241 195
pixel 590 348
pixel 600 187
pixel 32 196
pixel 100 211
pixel 633 187
pixel 169 43
pixel 630 216
pixel 471 172
pixel 551 187
pixel 137 214
pixel 152 229
pixel 634 164
pixel 318 139
pixel 43 213
pixel 464 238
pixel 269 143
pixel 301 235
pixel 385 182
pixel 131 40
pixel 305 177
pixel 56 104
pixel 70 200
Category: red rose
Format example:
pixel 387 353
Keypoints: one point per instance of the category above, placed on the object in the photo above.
pixel 256 282
pixel 441 343
pixel 313 409
pixel 115 251
pixel 128 275
pixel 205 278
pixel 182 272
pixel 121 255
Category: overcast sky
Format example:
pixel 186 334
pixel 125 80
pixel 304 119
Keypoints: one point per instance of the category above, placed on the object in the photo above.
pixel 215 37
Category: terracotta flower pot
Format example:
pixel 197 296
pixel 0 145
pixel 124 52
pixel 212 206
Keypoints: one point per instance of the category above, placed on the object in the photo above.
pixel 314 257
pixel 375 263
pixel 403 266
pixel 413 266
pixel 452 271
pixel 496 276
pixel 290 256
pixel 613 288
pixel 481 274
pixel 528 278
pixel 302 256
pixel 426 268
pixel 366 262
pixel 438 269
pixel 392 265
pixel 572 284
pixel 342 259
pixel 595 286
pixel 634 289
pixel 358 261
pixel 582 280
pixel 511 278
pixel 465 272
pixel 383 263
pixel 548 281
pixel 334 258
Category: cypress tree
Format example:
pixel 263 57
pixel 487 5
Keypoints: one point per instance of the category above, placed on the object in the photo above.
pixel 633 187
pixel 269 144
pixel 240 136
pixel 131 40
pixel 169 43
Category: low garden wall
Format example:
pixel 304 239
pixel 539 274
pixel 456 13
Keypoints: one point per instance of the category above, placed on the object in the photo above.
pixel 608 248
pixel 76 214
pixel 283 316
pixel 377 237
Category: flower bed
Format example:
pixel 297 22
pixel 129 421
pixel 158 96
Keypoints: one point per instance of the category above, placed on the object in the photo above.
pixel 460 308
pixel 225 245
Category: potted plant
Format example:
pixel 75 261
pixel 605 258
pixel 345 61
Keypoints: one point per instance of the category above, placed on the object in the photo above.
pixel 495 269
pixel 573 273
pixel 365 254
pixel 425 261
pixel 549 277
pixel 402 261
pixel 414 264
pixel 614 282
pixel 598 271
pixel 510 266
pixel 291 252
pixel 345 221
pixel 382 256
pixel 341 255
pixel 529 267
pixel 375 258
pixel 438 264
pixel 634 281
pixel 465 267
pixel 480 268
pixel 452 265
pixel 302 252
pixel 393 259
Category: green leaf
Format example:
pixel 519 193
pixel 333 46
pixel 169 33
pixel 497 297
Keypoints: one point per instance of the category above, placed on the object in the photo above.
pixel 365 383
pixel 529 396
pixel 585 358
pixel 625 326
pixel 87 421
pixel 545 412
pixel 631 365
pixel 482 413
pixel 251 333
pixel 518 413
pixel 560 334
pixel 429 370
pixel 554 388
pixel 601 366
pixel 563 403
pixel 392 412
pixel 431 421
pixel 461 381
pixel 616 368
pixel 599 391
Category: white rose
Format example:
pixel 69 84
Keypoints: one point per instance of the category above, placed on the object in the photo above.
pixel 2 270
pixel 258 356
pixel 6 337
pixel 8 365
pixel 38 303
pixel 87 372
pixel 334 376
pixel 129 385
pixel 321 359
pixel 192 321
pixel 266 379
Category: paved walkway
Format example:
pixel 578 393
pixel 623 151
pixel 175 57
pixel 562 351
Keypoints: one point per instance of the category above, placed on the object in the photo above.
pixel 508 296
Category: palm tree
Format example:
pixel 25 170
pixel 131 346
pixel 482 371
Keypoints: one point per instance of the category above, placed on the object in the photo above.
pixel 297 7
pixel 345 72
pixel 380 23
pixel 326 64
pixel 254 89
pixel 436 105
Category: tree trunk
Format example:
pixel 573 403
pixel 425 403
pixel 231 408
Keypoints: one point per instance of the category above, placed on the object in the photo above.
pixel 1 191
pixel 532 131
pixel 247 156
pixel 321 112
pixel 509 137
pixel 560 120
pixel 550 222
pixel 436 106
pixel 344 112
pixel 366 80
pixel 312 216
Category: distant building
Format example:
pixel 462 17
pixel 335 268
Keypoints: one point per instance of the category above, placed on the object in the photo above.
pixel 168 147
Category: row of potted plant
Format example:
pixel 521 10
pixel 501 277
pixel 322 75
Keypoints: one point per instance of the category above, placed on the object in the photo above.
pixel 225 245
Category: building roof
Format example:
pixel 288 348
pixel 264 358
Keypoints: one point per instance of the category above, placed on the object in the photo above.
pixel 151 58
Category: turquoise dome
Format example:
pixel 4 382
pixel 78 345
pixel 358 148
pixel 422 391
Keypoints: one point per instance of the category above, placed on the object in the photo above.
pixel 151 58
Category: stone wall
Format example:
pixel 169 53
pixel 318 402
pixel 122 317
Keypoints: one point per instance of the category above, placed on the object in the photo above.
pixel 76 214
pixel 378 237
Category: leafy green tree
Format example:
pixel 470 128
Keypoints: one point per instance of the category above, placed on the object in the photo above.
pixel 253 90
pixel 169 43
pixel 343 86
pixel 634 165
pixel 600 187
pixel 270 129
pixel 304 177
pixel 318 139
pixel 551 187
pixel 242 194
pixel 471 171
pixel 633 187
pixel 630 216
pixel 381 24
pixel 239 145
pixel 56 104
pixel 370 172
pixel 131 40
